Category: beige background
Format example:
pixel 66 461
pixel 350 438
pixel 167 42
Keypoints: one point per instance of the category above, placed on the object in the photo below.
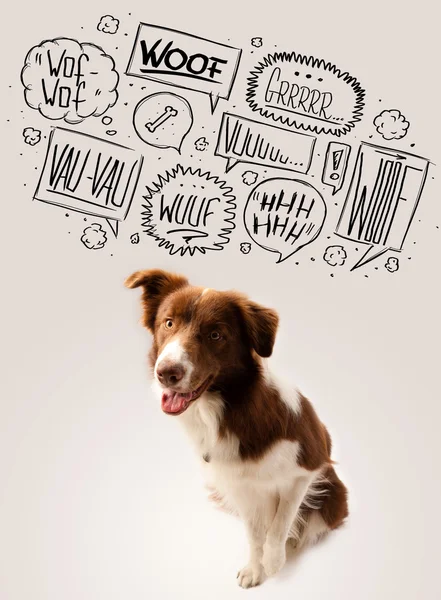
pixel 100 493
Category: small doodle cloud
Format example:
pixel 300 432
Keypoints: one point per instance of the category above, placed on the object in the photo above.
pixel 335 256
pixel 249 177
pixel 201 144
pixel 94 237
pixel 257 42
pixel 245 247
pixel 391 124
pixel 108 24
pixel 31 136
pixel 134 238
pixel 392 264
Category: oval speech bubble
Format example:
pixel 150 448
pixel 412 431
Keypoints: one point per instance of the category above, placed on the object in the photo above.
pixel 163 120
pixel 283 215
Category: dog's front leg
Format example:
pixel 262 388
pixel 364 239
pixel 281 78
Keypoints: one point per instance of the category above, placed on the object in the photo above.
pixel 257 517
pixel 252 574
pixel 274 550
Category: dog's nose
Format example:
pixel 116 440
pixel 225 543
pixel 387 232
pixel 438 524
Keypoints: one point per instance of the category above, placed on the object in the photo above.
pixel 170 374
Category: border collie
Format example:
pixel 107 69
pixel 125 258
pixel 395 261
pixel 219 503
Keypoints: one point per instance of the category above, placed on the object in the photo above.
pixel 268 452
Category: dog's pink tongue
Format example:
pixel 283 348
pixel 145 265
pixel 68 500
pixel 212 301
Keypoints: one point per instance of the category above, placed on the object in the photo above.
pixel 174 402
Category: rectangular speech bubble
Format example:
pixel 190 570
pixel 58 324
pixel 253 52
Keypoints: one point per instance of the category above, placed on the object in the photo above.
pixel 88 175
pixel 244 140
pixel 336 161
pixel 384 193
pixel 184 60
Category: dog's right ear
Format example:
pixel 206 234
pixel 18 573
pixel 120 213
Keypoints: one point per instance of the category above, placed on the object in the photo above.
pixel 156 284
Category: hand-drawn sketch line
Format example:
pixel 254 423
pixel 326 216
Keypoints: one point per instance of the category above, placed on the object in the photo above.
pixel 176 219
pixel 307 120
pixel 197 69
pixel 382 199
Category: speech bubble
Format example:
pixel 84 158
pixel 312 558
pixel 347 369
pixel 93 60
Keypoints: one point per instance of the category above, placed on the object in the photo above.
pixel 306 93
pixel 244 140
pixel 163 120
pixel 89 175
pixel 64 79
pixel 336 161
pixel 184 60
pixel 188 211
pixel 383 195
pixel 284 215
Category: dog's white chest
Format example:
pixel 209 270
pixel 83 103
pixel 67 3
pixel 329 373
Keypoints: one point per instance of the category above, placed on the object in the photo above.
pixel 274 470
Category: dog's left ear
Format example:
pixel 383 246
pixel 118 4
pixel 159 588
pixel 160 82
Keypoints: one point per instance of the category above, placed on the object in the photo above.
pixel 156 285
pixel 261 324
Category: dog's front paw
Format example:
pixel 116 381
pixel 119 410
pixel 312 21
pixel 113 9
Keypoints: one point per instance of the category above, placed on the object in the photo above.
pixel 250 576
pixel 274 557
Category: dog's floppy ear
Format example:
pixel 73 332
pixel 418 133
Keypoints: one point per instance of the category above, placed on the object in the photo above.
pixel 261 325
pixel 156 284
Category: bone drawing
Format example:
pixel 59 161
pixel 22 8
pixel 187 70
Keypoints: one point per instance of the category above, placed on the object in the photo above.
pixel 168 112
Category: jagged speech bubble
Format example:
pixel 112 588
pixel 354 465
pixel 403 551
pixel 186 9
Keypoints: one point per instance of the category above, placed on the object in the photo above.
pixel 163 120
pixel 305 92
pixel 188 211
pixel 284 215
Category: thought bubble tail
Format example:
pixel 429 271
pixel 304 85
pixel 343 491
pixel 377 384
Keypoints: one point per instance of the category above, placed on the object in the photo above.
pixel 214 99
pixel 368 256
pixel 114 225
pixel 231 162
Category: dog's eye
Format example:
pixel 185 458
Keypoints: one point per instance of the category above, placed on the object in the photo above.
pixel 215 335
pixel 168 324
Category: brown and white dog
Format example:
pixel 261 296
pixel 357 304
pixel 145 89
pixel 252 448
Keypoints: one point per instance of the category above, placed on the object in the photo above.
pixel 269 453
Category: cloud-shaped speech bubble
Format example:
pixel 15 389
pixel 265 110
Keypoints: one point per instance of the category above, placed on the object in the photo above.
pixel 163 120
pixel 31 136
pixel 108 24
pixel 284 215
pixel 391 125
pixel 335 256
pixel 64 79
pixel 201 218
pixel 94 237
pixel 306 93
